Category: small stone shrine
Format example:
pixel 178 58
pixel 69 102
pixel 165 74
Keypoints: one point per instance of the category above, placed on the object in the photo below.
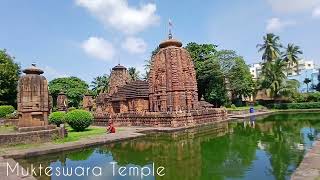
pixel 62 102
pixel 87 102
pixel 33 101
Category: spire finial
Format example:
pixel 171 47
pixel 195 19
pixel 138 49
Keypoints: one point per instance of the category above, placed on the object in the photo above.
pixel 170 29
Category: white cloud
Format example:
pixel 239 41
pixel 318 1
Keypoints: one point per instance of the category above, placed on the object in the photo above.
pixel 277 25
pixel 120 16
pixel 292 6
pixel 316 12
pixel 134 45
pixel 98 48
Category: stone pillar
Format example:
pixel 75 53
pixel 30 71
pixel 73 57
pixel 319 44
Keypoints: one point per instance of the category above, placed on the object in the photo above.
pixel 62 102
pixel 33 100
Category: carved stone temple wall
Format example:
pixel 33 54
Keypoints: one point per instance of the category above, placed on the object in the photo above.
pixel 172 80
pixel 33 100
pixel 168 99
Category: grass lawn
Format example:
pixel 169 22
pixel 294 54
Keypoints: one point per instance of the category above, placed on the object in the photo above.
pixel 75 136
pixel 6 129
pixel 245 108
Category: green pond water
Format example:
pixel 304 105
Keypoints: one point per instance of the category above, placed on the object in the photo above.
pixel 262 148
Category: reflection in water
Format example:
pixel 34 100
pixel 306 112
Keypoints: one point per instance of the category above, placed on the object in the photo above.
pixel 264 148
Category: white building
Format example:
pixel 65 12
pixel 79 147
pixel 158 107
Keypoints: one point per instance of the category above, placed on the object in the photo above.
pixel 306 69
pixel 302 65
pixel 255 70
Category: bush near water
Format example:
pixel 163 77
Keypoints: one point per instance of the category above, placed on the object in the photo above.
pixel 79 120
pixel 57 118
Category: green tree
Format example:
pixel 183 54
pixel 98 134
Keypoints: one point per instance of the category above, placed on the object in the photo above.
pixel 291 56
pixel 307 81
pixel 9 76
pixel 270 47
pixel 240 79
pixel 210 76
pixel 134 73
pixel 74 88
pixel 100 84
pixel 273 77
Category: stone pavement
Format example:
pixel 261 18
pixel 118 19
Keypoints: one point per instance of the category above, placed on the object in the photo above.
pixel 309 168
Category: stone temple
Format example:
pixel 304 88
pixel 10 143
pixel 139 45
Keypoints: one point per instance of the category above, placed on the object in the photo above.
pixel 169 98
pixel 33 98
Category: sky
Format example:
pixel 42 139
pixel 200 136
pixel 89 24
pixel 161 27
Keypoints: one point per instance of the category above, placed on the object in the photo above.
pixel 86 38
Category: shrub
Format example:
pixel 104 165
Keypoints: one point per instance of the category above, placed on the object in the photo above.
pixel 71 109
pixel 13 115
pixel 313 97
pixel 5 110
pixel 233 106
pixel 57 118
pixel 79 120
pixel 306 105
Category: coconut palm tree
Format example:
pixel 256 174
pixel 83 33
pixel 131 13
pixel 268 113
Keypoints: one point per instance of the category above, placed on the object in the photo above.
pixel 100 84
pixel 307 81
pixel 291 56
pixel 134 73
pixel 273 76
pixel 270 47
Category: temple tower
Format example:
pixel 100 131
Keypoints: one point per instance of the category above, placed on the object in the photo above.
pixel 172 80
pixel 33 100
pixel 118 78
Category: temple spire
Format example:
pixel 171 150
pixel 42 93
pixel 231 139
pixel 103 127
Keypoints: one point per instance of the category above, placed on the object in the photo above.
pixel 170 29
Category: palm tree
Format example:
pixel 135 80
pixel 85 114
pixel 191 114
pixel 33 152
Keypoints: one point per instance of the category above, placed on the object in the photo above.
pixel 289 88
pixel 134 74
pixel 273 76
pixel 291 56
pixel 100 84
pixel 307 81
pixel 270 47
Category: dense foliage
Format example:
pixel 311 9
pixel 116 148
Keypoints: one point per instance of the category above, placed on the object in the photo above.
pixel 9 76
pixel 134 73
pixel 73 87
pixel 6 110
pixel 240 80
pixel 275 67
pixel 307 105
pixel 219 72
pixel 209 74
pixel 100 84
pixel 306 97
pixel 79 120
pixel 57 118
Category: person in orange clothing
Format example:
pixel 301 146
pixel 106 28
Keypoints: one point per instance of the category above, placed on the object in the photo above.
pixel 111 128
